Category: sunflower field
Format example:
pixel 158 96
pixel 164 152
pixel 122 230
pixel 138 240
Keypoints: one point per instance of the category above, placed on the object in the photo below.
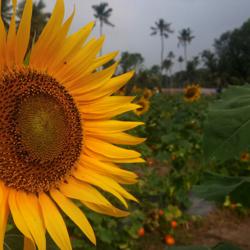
pixel 97 155
pixel 174 171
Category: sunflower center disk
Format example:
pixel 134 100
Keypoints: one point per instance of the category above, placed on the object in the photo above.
pixel 191 92
pixel 41 132
pixel 42 126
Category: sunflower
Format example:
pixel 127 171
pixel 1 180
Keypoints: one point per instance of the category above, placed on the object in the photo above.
pixel 192 93
pixel 58 141
pixel 144 105
pixel 147 93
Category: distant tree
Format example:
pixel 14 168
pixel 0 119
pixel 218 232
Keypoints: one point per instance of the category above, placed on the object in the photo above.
pixel 209 60
pixel 191 70
pixel 103 13
pixel 167 65
pixel 39 17
pixel 147 79
pixel 163 29
pixel 130 61
pixel 6 11
pixel 155 69
pixel 233 52
pixel 185 37
pixel 180 61
pixel 171 55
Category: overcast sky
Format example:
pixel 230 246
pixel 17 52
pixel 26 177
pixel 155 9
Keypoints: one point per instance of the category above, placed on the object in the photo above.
pixel 208 19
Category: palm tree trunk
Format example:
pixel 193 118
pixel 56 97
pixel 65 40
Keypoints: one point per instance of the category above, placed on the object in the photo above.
pixel 161 66
pixel 101 26
pixel 181 69
pixel 185 53
pixel 162 51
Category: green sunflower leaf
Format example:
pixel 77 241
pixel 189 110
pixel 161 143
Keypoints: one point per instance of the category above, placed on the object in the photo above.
pixel 215 187
pixel 228 125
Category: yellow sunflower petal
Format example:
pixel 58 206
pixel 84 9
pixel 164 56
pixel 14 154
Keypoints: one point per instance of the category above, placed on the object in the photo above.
pixel 30 210
pixel 100 61
pixel 108 169
pixel 107 107
pixel 54 222
pixel 28 244
pixel 102 181
pixel 2 42
pixel 71 70
pixel 80 190
pixel 101 157
pixel 115 212
pixel 4 212
pixel 71 47
pixel 48 34
pixel 110 151
pixel 17 215
pixel 106 90
pixel 117 138
pixel 91 82
pixel 74 213
pixel 23 33
pixel 11 37
pixel 89 195
pixel 109 126
pixel 55 46
pixel 80 175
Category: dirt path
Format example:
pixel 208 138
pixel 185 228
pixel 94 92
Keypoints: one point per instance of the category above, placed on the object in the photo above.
pixel 219 226
pixel 222 226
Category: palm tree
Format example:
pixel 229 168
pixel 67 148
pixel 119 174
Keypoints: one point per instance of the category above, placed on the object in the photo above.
pixel 167 65
pixel 210 61
pixel 130 61
pixel 103 13
pixel 39 18
pixel 191 70
pixel 171 55
pixel 185 37
pixel 6 12
pixel 180 61
pixel 163 29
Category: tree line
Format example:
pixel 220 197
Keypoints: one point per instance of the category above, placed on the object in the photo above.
pixel 228 62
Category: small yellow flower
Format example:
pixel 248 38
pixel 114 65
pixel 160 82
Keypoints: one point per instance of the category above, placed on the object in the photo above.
pixel 244 157
pixel 145 104
pixel 192 93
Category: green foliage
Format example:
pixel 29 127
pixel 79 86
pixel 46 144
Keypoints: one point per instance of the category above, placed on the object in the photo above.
pixel 173 153
pixel 174 132
pixel 228 125
pixel 233 49
pixel 130 61
pixel 216 187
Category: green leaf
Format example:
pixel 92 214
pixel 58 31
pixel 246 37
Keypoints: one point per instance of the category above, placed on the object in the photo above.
pixel 226 246
pixel 13 241
pixel 228 124
pixel 215 187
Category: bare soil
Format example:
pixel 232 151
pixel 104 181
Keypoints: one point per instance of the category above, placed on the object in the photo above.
pixel 222 226
pixel 218 226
